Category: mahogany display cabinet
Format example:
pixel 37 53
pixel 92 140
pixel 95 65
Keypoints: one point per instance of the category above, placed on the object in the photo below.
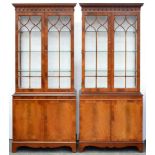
pixel 44 103
pixel 110 99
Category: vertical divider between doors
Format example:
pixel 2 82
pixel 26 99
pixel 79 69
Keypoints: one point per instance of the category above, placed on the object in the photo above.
pixel 109 51
pixel 111 58
pixel 45 50
pixel 111 65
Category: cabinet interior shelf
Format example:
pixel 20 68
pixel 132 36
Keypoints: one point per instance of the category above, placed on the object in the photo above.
pixel 48 71
pixel 41 51
pixel 114 51
pixel 107 70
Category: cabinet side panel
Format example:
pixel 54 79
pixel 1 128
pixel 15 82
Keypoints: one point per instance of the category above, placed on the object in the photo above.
pixel 60 120
pixel 127 120
pixel 94 120
pixel 27 120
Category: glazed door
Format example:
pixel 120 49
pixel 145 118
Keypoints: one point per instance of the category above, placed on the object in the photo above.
pixel 29 51
pixel 126 120
pixel 126 52
pixel 28 120
pixel 95 51
pixel 59 52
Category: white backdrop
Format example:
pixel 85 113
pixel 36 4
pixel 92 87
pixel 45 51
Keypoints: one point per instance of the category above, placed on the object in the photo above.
pixel 7 55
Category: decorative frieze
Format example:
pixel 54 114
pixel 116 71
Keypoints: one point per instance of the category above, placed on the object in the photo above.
pixel 110 9
pixel 41 9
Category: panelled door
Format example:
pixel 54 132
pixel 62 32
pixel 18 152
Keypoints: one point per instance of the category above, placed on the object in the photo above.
pixel 126 120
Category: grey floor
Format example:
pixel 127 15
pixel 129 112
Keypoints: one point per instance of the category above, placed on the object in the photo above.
pixel 66 151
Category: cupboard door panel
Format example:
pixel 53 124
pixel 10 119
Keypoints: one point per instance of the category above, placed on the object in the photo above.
pixel 27 120
pixel 60 120
pixel 127 120
pixel 94 120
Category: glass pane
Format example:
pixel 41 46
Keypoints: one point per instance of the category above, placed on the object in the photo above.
pixel 101 82
pixel 131 58
pixel 53 41
pixel 53 73
pixel 29 55
pixel 119 73
pixel 65 82
pixel 90 41
pixel 102 41
pixel 65 73
pixel 119 82
pixel 24 73
pixel 24 41
pixel 66 23
pixel 35 82
pixel 131 61
pixel 130 73
pixel 96 23
pixel 36 61
pixel 24 82
pixel 90 24
pixel 119 42
pixel 36 41
pixel 130 82
pixel 65 41
pixel 90 61
pixel 102 73
pixel 90 82
pixel 102 64
pixel 130 41
pixel 53 82
pixel 53 61
pixel 35 73
pixel 65 61
pixel 24 61
pixel 119 62
pixel 90 73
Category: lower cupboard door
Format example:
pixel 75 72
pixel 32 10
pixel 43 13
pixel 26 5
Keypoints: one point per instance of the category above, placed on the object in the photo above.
pixel 27 120
pixel 126 120
pixel 94 120
pixel 60 120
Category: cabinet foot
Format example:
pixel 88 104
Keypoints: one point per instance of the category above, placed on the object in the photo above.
pixel 81 148
pixel 14 148
pixel 140 147
pixel 73 148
